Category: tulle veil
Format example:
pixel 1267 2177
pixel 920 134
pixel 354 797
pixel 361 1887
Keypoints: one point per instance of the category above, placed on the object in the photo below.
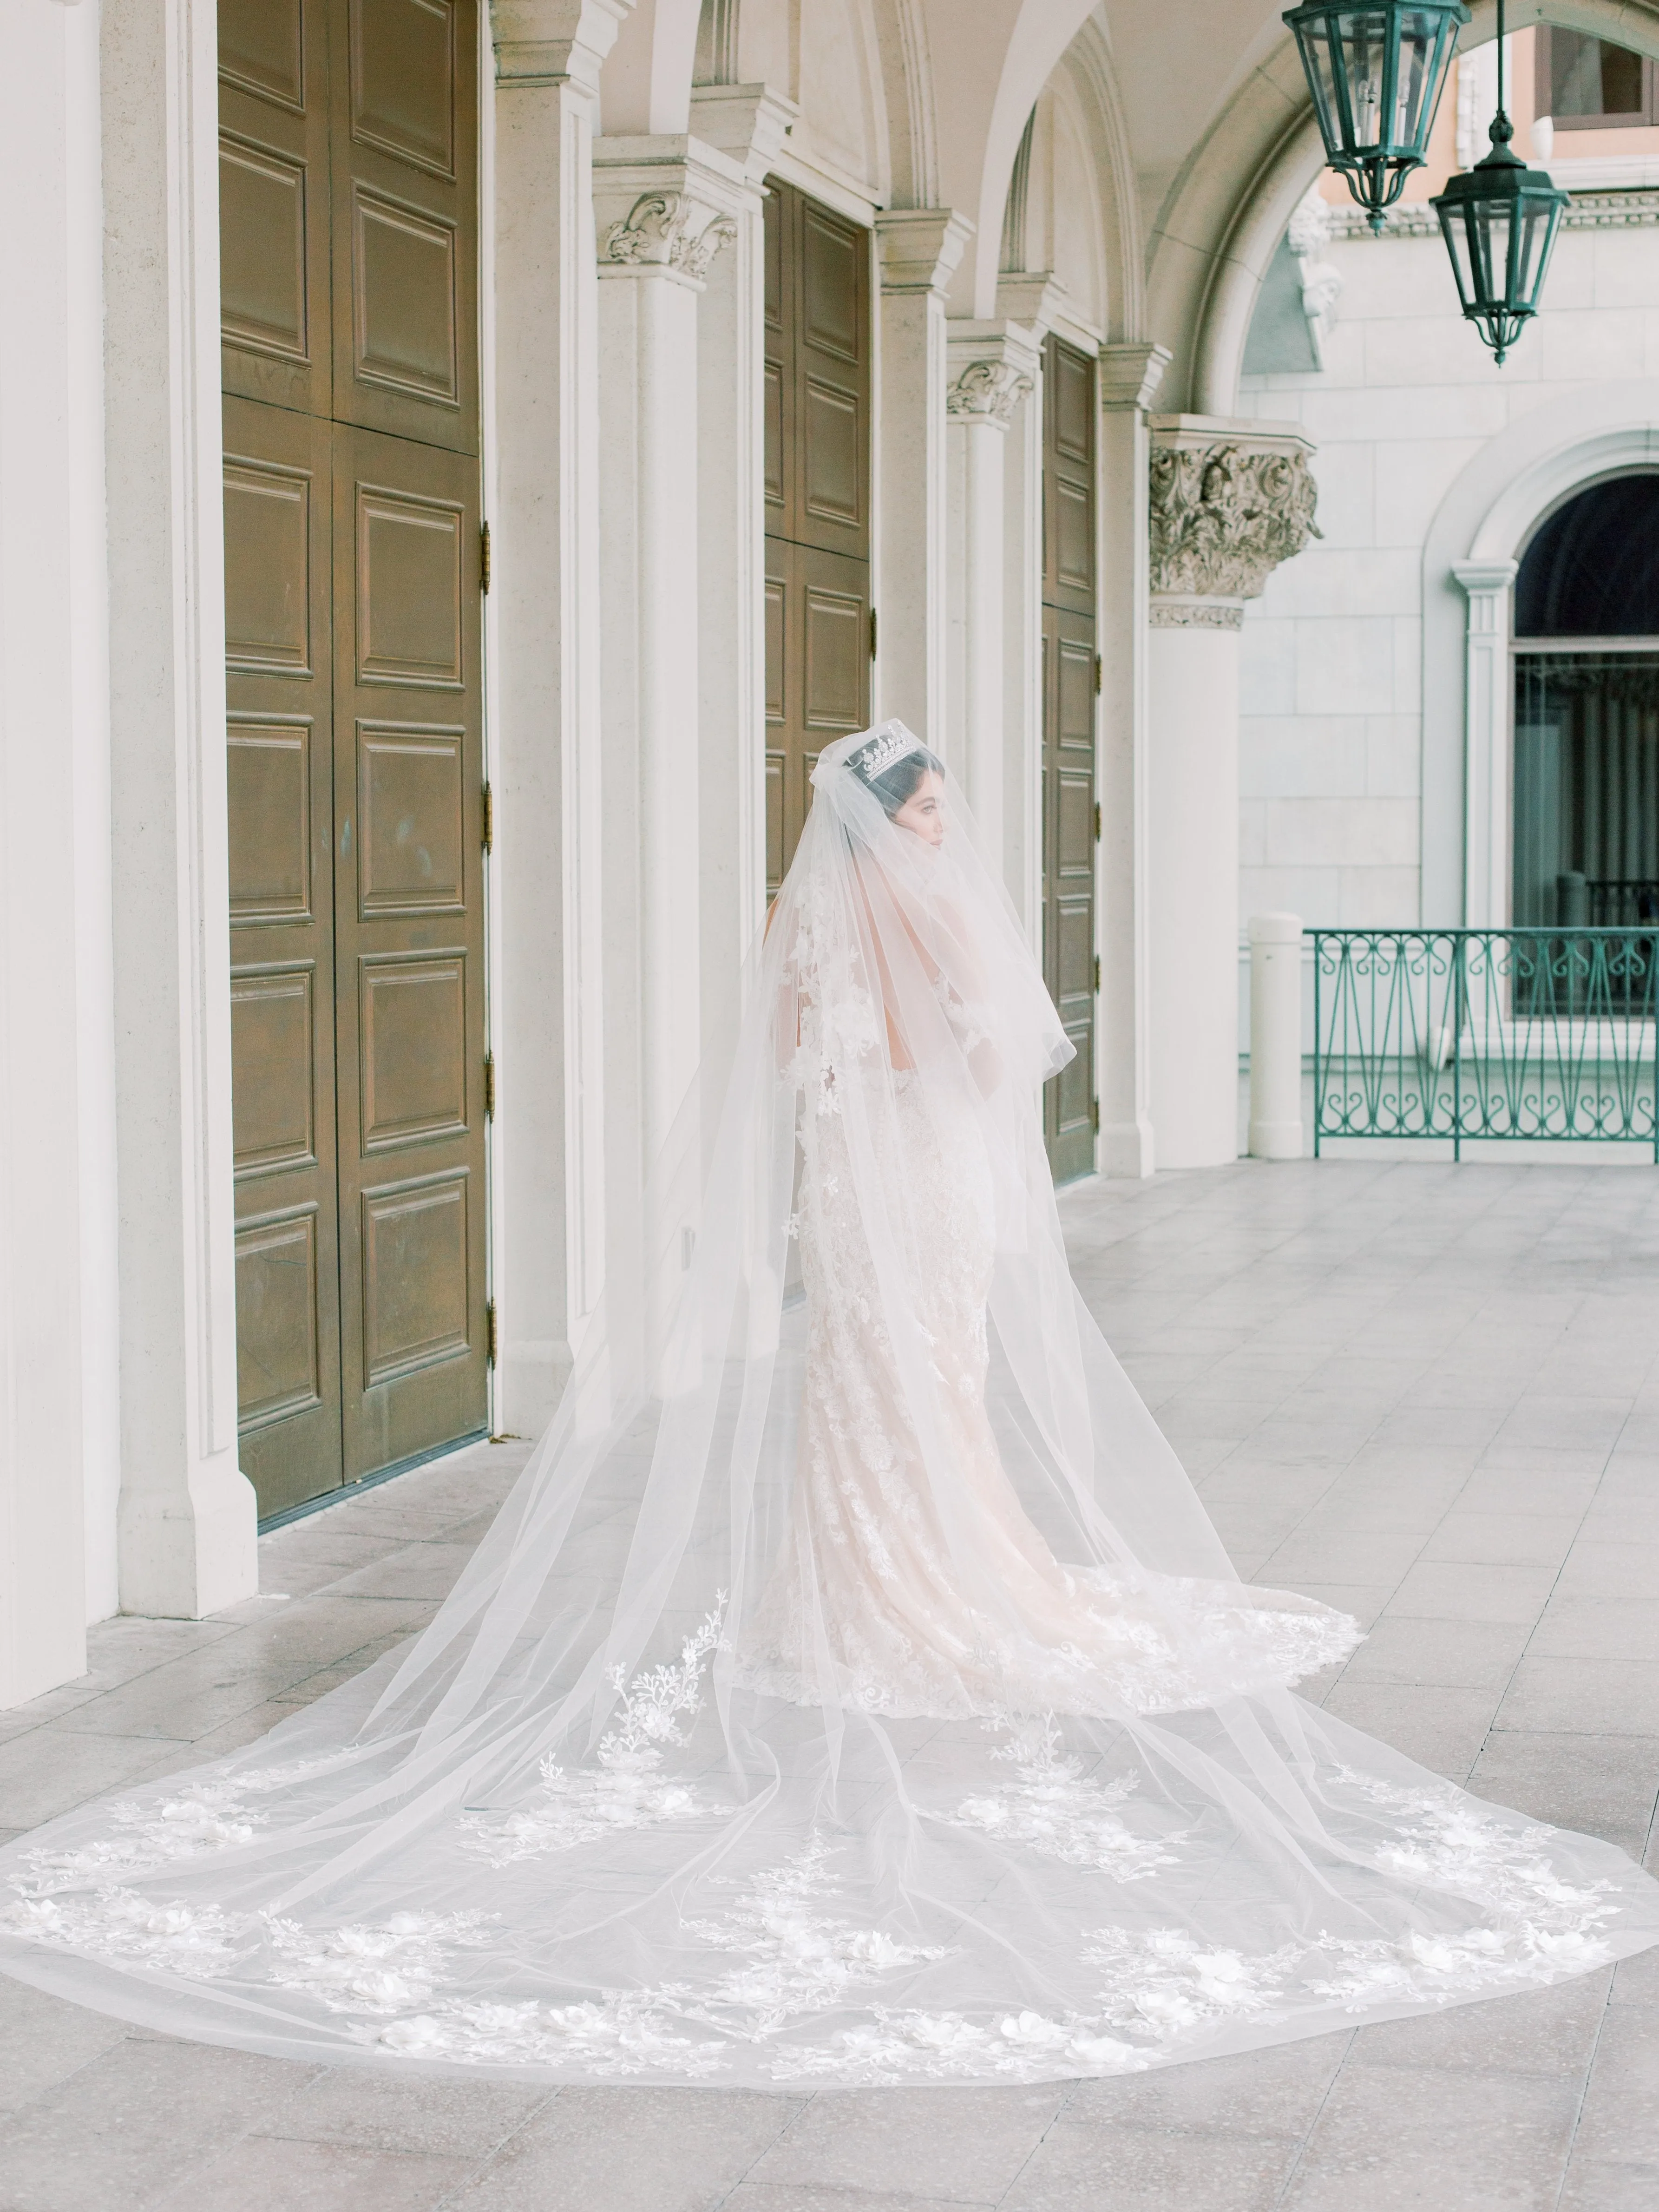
pixel 592 1823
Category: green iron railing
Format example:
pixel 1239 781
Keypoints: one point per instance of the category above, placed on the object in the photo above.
pixel 1521 1034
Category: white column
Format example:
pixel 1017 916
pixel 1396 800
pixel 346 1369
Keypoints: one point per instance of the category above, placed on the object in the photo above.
pixel 547 929
pixel 1129 378
pixel 918 249
pixel 59 1443
pixel 747 124
pixel 1229 500
pixel 1275 1037
pixel 664 208
pixel 1486 742
pixel 991 368
pixel 186 1513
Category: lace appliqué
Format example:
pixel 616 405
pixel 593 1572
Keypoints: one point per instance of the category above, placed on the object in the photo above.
pixel 1053 1810
pixel 198 1943
pixel 384 1966
pixel 630 1790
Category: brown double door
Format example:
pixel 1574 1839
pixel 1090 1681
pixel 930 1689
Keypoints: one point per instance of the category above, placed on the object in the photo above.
pixel 348 202
pixel 1071 683
pixel 819 638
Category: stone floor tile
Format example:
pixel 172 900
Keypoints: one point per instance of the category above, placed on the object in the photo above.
pixel 1597 1628
pixel 132 2122
pixel 1591 1697
pixel 1517 1540
pixel 1599 2185
pixel 1085 2165
pixel 930 2143
pixel 1393 2136
pixel 50 1770
pixel 1604 1786
pixel 1276 2091
pixel 260 2175
pixel 1616 1568
pixel 1636 1981
pixel 1470 1655
pixel 43 2040
pixel 1620 2119
pixel 1435 1589
pixel 1365 1601
pixel 752 2196
pixel 1551 2033
pixel 433 2116
pixel 631 2150
pixel 1442 1729
pixel 421 1571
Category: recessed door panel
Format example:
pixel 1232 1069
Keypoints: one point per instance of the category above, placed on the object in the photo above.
pixel 262 50
pixel 267 567
pixel 278 1295
pixel 402 270
pixel 268 767
pixel 262 266
pixel 273 1068
pixel 413 1015
pixel 416 1301
pixel 411 816
pixel 402 80
pixel 411 586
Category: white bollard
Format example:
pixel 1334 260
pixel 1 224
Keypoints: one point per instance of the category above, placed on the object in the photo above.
pixel 1276 1036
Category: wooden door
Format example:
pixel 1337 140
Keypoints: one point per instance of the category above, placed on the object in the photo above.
pixel 1071 683
pixel 819 638
pixel 352 565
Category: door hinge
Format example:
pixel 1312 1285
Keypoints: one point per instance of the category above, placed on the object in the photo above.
pixel 1096 972
pixel 1094 1116
pixel 489 1332
pixel 1097 821
pixel 872 633
pixel 489 1087
pixel 1097 675
pixel 489 819
pixel 483 556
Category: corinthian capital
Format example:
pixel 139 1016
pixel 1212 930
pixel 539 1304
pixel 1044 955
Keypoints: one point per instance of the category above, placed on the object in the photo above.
pixel 1230 500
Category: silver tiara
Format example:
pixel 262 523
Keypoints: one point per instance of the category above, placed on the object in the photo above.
pixel 893 745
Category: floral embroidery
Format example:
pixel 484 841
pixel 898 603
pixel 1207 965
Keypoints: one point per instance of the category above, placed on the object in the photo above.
pixel 384 1967
pixel 1053 1810
pixel 129 1930
pixel 630 1790
pixel 617 2036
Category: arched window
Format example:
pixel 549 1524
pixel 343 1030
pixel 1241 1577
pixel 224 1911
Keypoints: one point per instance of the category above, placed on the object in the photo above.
pixel 1586 782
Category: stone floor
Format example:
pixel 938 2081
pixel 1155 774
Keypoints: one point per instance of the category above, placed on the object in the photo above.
pixel 1428 1394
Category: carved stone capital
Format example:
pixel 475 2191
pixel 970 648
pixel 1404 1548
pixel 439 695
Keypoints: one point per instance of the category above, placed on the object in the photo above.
pixel 672 212
pixel 1230 500
pixel 987 391
pixel 1195 614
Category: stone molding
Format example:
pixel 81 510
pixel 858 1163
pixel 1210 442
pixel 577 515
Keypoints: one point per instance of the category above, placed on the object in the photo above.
pixel 1585 210
pixel 1195 614
pixel 748 123
pixel 544 42
pixel 1229 500
pixel 1130 374
pixel 919 247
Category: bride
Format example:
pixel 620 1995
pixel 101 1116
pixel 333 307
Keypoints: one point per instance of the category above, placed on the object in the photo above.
pixel 853 1688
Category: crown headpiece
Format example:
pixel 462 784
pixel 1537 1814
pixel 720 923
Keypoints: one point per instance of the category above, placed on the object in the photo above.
pixel 889 746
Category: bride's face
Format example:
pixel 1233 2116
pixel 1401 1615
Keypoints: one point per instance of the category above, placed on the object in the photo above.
pixel 923 812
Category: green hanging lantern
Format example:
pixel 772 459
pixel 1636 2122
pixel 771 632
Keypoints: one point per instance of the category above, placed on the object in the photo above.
pixel 1376 72
pixel 1499 220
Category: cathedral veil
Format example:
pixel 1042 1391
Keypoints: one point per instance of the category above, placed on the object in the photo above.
pixel 853 1688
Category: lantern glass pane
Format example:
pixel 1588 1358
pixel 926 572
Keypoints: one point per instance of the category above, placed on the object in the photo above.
pixel 1537 233
pixel 1455 231
pixel 1493 237
pixel 1418 38
pixel 1365 36
pixel 1313 40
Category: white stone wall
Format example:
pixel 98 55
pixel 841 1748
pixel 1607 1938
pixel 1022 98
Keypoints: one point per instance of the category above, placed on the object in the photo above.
pixel 1335 810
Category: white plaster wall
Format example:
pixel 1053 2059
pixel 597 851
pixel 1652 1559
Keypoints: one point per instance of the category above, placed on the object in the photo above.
pixel 1334 819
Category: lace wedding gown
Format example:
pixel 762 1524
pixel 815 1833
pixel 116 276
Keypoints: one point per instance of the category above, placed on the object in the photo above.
pixel 853 1688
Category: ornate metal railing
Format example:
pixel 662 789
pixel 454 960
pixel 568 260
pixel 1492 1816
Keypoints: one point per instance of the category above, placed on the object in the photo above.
pixel 1522 1034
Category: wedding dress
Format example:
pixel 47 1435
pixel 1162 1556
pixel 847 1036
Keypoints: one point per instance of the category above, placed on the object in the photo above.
pixel 853 1688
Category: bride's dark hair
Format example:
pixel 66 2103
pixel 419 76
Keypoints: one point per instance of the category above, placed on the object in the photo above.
pixel 898 782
